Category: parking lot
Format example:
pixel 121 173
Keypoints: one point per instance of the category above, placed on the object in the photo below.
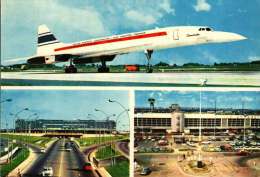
pixel 164 156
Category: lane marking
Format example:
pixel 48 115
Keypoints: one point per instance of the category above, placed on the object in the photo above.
pixel 61 160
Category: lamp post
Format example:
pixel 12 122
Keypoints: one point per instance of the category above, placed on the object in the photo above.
pixel 97 127
pixel 109 128
pixel 245 116
pixel 124 110
pixel 199 162
pixel 16 117
pixel 123 107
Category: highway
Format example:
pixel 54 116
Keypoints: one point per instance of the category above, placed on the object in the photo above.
pixel 65 163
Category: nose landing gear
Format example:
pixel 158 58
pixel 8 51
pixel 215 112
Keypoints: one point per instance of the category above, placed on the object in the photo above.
pixel 148 54
pixel 103 68
pixel 71 68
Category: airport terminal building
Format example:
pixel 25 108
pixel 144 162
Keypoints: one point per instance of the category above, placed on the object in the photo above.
pixel 50 125
pixel 178 120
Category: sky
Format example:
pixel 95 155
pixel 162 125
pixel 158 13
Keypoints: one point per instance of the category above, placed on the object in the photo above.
pixel 73 21
pixel 64 104
pixel 234 99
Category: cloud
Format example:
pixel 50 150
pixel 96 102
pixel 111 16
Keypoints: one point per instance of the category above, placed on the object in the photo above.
pixel 140 17
pixel 202 5
pixel 56 14
pixel 146 13
pixel 166 6
pixel 254 58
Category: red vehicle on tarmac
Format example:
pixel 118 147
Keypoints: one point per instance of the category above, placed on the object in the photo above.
pixel 132 68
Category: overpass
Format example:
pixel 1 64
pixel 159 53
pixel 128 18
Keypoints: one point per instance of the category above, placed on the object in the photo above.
pixel 63 134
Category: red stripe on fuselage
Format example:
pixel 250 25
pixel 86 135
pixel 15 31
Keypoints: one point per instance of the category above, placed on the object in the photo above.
pixel 112 40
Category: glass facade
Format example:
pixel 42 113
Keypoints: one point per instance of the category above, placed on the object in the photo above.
pixel 43 124
pixel 195 122
pixel 160 122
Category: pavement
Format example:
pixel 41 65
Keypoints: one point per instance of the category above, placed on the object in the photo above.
pixel 137 79
pixel 167 165
pixel 123 148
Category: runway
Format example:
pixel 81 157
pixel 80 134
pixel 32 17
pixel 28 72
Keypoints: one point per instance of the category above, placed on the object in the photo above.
pixel 251 79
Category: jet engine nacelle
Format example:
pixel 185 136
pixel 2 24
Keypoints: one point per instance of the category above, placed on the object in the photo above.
pixel 50 59
pixel 86 60
pixel 41 60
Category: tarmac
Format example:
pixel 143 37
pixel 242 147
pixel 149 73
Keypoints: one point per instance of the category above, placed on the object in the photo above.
pixel 219 79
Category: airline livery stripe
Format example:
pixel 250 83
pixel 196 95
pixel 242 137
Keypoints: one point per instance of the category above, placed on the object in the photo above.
pixel 142 36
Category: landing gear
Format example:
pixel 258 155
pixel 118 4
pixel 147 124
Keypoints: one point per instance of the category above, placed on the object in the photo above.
pixel 103 68
pixel 71 68
pixel 148 54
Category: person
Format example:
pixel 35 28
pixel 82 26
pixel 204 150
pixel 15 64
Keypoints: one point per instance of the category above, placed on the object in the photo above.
pixel 19 173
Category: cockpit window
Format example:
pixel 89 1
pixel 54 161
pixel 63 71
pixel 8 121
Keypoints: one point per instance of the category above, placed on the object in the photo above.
pixel 205 29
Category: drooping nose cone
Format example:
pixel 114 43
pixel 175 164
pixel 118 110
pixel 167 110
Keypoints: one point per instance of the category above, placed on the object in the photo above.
pixel 227 37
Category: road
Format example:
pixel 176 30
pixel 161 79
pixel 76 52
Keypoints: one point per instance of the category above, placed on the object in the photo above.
pixel 64 163
pixel 123 147
pixel 180 79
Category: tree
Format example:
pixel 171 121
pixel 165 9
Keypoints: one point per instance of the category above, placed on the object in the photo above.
pixel 162 64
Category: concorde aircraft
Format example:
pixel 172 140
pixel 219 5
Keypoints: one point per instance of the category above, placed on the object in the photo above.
pixel 50 50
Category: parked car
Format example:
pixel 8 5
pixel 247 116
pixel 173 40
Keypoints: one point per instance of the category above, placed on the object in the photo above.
pixel 243 152
pixel 47 171
pixel 146 171
pixel 42 150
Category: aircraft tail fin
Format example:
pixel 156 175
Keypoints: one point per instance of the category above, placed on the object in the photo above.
pixel 46 40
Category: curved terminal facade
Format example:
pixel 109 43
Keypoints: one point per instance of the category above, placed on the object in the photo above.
pixel 178 120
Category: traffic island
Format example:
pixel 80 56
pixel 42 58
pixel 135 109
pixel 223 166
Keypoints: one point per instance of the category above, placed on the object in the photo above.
pixel 111 162
pixel 194 167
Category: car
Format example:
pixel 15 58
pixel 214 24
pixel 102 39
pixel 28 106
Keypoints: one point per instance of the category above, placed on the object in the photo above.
pixel 68 149
pixel 47 171
pixel 146 171
pixel 87 166
pixel 205 142
pixel 42 150
pixel 243 152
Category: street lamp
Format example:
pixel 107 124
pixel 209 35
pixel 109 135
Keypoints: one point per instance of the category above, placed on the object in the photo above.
pixel 109 128
pixel 124 108
pixel 97 127
pixel 199 162
pixel 115 101
pixel 16 116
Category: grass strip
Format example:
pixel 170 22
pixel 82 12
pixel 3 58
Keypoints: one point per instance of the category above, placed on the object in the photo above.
pixel 21 155
pixel 37 140
pixel 120 169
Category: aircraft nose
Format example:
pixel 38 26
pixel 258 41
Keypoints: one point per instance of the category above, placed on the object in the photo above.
pixel 228 37
pixel 236 37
